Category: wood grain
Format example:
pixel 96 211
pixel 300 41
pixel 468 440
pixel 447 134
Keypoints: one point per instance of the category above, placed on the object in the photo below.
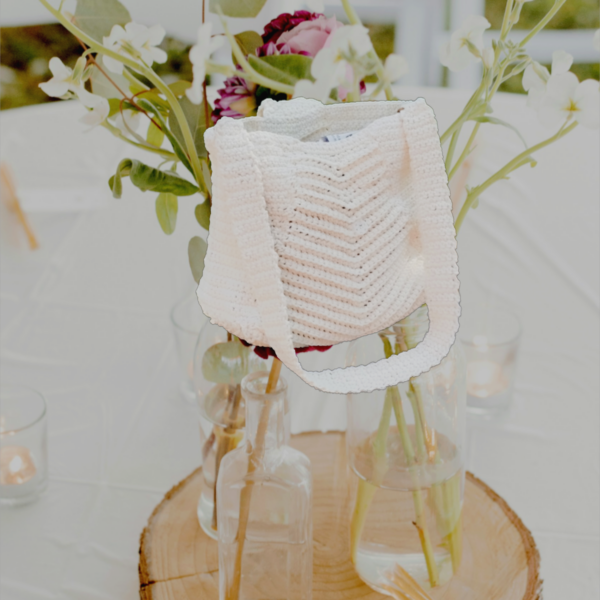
pixel 179 562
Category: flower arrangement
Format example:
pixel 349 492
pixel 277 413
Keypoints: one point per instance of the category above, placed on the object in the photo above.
pixel 301 54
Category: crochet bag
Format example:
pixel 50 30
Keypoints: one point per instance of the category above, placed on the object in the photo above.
pixel 319 241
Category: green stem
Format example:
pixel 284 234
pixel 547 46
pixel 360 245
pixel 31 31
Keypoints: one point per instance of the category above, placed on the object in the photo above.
pixel 183 124
pixel 464 153
pixel 512 165
pixel 452 147
pixel 143 146
pixel 420 515
pixel 506 19
pixel 366 489
pixel 465 113
pixel 545 20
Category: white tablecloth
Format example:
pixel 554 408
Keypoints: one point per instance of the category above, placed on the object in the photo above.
pixel 85 320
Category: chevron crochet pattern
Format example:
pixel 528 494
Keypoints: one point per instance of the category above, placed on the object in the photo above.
pixel 314 243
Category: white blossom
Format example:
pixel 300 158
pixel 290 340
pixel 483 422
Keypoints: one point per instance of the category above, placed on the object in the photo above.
pixel 487 56
pixel 318 90
pixel 567 98
pixel 98 108
pixel 65 82
pixel 466 44
pixel 135 41
pixel 535 77
pixel 332 66
pixel 395 67
pixel 199 54
pixel 128 120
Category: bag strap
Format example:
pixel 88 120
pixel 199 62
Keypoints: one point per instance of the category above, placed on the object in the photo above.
pixel 432 201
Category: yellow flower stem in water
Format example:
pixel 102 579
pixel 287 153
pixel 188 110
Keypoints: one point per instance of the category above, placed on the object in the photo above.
pixel 366 489
pixel 420 517
pixel 445 495
pixel 446 500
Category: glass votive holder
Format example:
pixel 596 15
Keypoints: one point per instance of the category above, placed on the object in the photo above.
pixel 490 337
pixel 23 444
pixel 187 320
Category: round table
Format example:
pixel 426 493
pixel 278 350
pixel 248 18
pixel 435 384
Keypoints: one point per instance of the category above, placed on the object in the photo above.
pixel 85 320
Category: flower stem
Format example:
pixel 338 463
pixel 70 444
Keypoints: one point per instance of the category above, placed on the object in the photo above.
pixel 366 489
pixel 515 163
pixel 420 516
pixel 464 153
pixel 543 22
pixel 147 147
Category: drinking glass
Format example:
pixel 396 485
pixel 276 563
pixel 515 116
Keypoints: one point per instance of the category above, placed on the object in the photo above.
pixel 187 320
pixel 23 444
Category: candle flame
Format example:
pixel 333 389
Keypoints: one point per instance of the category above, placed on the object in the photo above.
pixel 16 464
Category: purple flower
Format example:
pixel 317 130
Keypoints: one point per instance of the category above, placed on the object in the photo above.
pixel 285 22
pixel 236 99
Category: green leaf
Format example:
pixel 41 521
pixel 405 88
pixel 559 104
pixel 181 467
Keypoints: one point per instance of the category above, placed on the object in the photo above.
pixel 284 68
pixel 195 117
pixel 495 121
pixel 226 362
pixel 202 212
pixel 179 87
pixel 97 17
pixel 166 212
pixel 248 41
pixel 149 179
pixel 114 105
pixel 196 252
pixel 181 155
pixel 155 136
pixel 243 9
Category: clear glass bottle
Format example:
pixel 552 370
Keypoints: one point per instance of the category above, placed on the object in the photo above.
pixel 406 445
pixel 221 361
pixel 264 501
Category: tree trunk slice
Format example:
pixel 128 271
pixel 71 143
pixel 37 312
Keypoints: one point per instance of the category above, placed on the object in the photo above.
pixel 178 561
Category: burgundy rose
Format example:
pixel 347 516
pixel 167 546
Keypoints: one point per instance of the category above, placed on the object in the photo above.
pixel 284 22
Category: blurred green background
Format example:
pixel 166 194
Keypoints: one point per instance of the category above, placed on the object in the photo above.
pixel 25 51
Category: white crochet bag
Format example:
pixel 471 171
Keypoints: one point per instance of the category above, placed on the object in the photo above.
pixel 318 242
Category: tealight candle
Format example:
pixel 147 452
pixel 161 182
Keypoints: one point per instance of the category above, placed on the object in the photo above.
pixel 490 339
pixel 16 465
pixel 485 378
pixel 23 454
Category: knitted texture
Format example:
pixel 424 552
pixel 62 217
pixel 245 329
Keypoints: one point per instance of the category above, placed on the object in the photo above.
pixel 317 243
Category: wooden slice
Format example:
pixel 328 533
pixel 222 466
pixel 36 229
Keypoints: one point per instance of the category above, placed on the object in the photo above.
pixel 178 561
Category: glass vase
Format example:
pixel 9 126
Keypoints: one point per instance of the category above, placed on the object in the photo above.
pixel 264 493
pixel 221 361
pixel 406 447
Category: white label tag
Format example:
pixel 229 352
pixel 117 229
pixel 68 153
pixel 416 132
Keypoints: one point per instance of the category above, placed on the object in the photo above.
pixel 336 137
